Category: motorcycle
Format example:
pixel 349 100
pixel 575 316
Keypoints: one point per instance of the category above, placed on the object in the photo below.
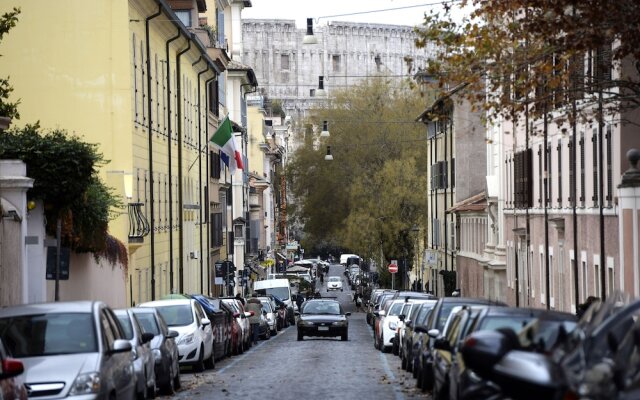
pixel 599 359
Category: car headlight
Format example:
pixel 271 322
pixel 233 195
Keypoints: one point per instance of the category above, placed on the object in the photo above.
pixel 86 383
pixel 157 355
pixel 393 325
pixel 186 339
pixel 339 323
pixel 305 323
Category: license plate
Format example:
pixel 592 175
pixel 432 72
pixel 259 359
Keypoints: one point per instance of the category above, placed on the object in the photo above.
pixel 323 328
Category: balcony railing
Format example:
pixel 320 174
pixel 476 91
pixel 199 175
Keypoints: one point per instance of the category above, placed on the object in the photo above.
pixel 138 224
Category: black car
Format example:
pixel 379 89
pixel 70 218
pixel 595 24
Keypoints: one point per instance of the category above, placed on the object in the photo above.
pixel 453 380
pixel 423 369
pixel 323 317
pixel 221 317
pixel 417 317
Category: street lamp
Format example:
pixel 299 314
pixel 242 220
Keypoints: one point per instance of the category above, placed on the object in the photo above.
pixel 328 157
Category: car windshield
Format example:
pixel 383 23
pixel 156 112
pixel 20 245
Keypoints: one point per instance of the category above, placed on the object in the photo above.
pixel 148 323
pixel 49 334
pixel 178 315
pixel 334 279
pixel 281 292
pixel 444 315
pixel 321 307
pixel 127 329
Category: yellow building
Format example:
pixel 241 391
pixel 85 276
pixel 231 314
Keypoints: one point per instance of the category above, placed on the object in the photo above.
pixel 130 77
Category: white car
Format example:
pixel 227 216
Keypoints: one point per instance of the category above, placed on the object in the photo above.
pixel 195 336
pixel 335 283
pixel 271 317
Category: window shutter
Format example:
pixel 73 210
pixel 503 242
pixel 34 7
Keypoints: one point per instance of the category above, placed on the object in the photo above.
pixel 453 172
pixel 572 172
pixel 609 168
pixel 559 161
pixel 540 173
pixel 582 172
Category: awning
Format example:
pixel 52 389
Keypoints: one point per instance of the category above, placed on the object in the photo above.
pixel 281 256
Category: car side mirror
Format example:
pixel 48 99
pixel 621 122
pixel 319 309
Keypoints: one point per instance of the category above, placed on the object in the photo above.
pixel 420 329
pixel 433 333
pixel 442 344
pixel 11 368
pixel 347 314
pixel 382 313
pixel 205 321
pixel 172 334
pixel 147 337
pixel 483 349
pixel 120 346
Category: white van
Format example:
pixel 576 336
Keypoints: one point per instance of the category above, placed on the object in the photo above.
pixel 344 257
pixel 281 288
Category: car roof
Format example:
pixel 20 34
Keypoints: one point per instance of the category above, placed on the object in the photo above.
pixel 84 306
pixel 168 302
pixel 322 300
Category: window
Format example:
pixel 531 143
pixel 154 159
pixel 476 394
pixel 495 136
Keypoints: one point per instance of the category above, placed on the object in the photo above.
pixel 559 162
pixel 542 276
pixel 213 96
pixel 597 282
pixel 312 93
pixel 335 62
pixel 184 16
pixel 609 167
pixel 549 173
pixel 551 280
pixel 594 166
pixel 284 62
pixel 582 174
pixel 572 173
pixel 215 164
pixel 522 179
pixel 453 172
pixel 439 175
pixel 540 176
pixel 584 280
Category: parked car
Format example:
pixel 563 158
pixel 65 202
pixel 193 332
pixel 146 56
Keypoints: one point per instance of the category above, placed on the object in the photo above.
pixel 437 320
pixel 163 348
pixel 418 317
pixel 242 318
pixel 221 319
pixel 323 317
pixel 195 337
pixel 143 360
pixel 399 340
pixel 270 314
pixel 11 377
pixel 70 349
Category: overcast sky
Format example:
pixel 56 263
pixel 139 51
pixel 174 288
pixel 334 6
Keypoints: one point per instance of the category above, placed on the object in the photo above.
pixel 300 10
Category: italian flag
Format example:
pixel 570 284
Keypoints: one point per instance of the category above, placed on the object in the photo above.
pixel 224 140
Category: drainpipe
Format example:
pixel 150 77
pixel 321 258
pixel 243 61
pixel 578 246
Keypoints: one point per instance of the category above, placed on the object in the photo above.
pixel 200 172
pixel 169 129
pixel 547 267
pixel 151 199
pixel 446 192
pixel 574 200
pixel 603 270
pixel 206 130
pixel 180 200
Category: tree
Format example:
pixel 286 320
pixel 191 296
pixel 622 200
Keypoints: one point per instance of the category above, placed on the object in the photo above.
pixel 536 55
pixel 8 109
pixel 65 173
pixel 373 190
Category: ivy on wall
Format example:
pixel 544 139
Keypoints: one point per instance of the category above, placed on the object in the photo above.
pixel 65 170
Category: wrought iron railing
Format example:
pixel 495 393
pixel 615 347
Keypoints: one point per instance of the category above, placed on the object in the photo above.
pixel 138 224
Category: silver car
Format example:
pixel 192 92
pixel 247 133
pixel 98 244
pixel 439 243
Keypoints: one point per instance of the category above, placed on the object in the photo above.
pixel 143 362
pixel 70 349
pixel 164 348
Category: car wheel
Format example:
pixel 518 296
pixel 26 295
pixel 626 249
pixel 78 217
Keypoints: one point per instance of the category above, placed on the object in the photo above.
pixel 403 361
pixel 300 338
pixel 168 387
pixel 267 335
pixel 418 375
pixel 394 348
pixel 198 366
pixel 177 383
pixel 210 363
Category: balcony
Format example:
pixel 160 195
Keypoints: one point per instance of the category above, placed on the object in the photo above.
pixel 138 224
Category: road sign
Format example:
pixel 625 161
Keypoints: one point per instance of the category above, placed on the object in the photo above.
pixel 393 268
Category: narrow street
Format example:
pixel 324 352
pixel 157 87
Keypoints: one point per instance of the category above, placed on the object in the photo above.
pixel 316 368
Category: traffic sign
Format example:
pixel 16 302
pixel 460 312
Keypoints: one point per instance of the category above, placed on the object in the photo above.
pixel 393 268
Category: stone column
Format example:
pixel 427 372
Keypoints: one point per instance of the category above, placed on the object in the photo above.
pixel 13 230
pixel 629 226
